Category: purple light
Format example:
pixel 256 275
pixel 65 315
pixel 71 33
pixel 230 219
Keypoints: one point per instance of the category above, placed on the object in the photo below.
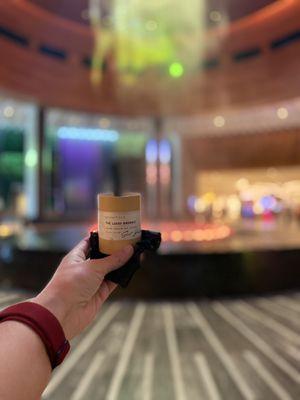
pixel 268 202
pixel 191 202
pixel 247 210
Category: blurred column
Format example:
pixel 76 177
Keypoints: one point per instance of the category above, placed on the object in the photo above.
pixel 163 201
pixel 189 174
pixel 158 126
pixel 40 170
pixel 176 177
pixel 151 156
pixel 165 194
pixel 31 161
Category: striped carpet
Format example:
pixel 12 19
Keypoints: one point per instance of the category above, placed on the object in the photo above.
pixel 211 350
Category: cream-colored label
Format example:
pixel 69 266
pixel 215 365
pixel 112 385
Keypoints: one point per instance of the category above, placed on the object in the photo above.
pixel 119 225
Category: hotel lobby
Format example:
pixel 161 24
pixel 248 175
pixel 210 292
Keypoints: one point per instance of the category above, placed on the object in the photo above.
pixel 196 106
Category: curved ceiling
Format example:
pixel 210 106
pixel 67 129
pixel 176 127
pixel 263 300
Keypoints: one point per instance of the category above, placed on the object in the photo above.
pixel 76 10
pixel 46 58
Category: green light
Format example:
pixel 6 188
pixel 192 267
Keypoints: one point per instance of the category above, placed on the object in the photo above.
pixel 156 35
pixel 176 70
pixel 31 158
pixel 131 144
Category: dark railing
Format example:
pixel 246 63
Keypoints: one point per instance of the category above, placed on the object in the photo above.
pixel 285 40
pixel 207 64
pixel 13 36
pixel 246 54
pixel 52 52
pixel 210 63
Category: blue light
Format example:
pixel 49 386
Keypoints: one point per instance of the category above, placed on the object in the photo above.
pixel 164 151
pixel 247 210
pixel 268 202
pixel 90 134
pixel 151 151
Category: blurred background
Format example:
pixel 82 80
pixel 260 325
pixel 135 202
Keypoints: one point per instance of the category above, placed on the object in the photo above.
pixel 196 105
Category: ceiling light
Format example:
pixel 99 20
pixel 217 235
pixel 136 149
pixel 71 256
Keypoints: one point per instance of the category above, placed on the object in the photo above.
pixel 176 70
pixel 151 25
pixel 215 16
pixel 104 123
pixel 219 121
pixel 87 134
pixel 8 111
pixel 282 113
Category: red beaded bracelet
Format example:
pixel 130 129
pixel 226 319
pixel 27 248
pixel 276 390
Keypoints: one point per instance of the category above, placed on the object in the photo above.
pixel 45 324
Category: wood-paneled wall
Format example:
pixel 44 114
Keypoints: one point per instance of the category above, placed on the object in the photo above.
pixel 244 151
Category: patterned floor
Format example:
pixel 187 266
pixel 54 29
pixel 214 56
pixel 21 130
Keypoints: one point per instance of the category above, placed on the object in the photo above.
pixel 238 349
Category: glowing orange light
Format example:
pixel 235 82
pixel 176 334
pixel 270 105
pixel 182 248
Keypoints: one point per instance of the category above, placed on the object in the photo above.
pixel 165 236
pixel 198 235
pixel 188 236
pixel 209 234
pixel 224 231
pixel 93 228
pixel 176 236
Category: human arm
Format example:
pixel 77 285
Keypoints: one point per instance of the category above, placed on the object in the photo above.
pixel 74 295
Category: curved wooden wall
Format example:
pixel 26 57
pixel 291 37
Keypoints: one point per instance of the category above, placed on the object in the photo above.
pixel 260 150
pixel 43 57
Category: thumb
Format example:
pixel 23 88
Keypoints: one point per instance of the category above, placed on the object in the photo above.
pixel 112 262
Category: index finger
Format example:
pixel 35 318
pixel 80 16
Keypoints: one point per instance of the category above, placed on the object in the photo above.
pixel 112 262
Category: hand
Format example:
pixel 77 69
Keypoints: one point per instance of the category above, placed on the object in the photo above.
pixel 78 287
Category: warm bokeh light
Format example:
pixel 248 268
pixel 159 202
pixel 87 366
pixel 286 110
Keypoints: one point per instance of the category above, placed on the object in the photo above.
pixel 188 236
pixel 176 236
pixel 219 121
pixel 165 236
pixel 242 184
pixel 9 229
pixel 282 113
pixel 198 235
pixel 5 231
pixel 215 16
pixel 104 123
pixel 190 232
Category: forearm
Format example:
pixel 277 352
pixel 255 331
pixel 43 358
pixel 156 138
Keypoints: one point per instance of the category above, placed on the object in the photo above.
pixel 73 296
pixel 25 369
